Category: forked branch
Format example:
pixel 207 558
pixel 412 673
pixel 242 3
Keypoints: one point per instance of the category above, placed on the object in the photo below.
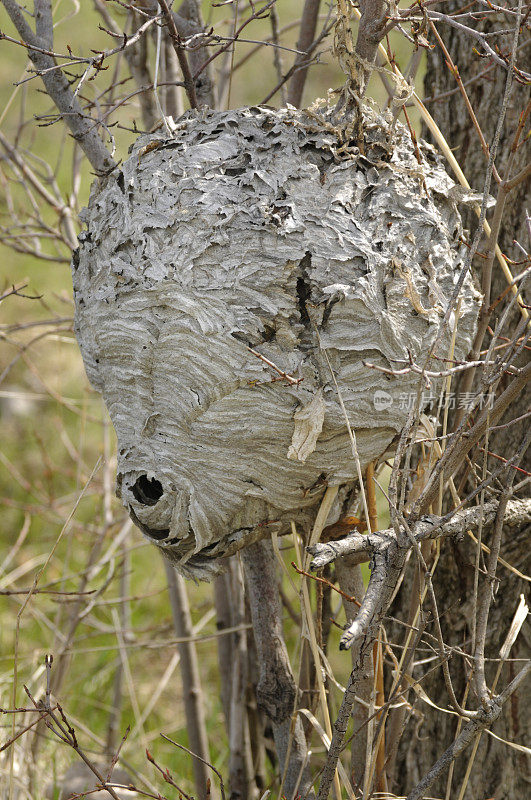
pixel 84 129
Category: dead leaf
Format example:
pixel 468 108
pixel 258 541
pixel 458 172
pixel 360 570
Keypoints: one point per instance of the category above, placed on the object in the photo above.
pixel 308 425
pixel 343 527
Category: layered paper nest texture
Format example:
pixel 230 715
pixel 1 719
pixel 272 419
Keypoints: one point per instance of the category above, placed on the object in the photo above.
pixel 255 230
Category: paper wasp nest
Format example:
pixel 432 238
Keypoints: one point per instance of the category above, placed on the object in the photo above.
pixel 252 230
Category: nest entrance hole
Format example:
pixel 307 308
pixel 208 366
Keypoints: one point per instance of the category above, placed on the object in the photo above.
pixel 147 491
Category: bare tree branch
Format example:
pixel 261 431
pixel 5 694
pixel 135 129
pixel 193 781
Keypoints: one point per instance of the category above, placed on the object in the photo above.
pixel 370 33
pixel 181 55
pixel 518 513
pixel 190 13
pixel 307 30
pixel 388 555
pixel 187 24
pixel 276 688
pixel 456 454
pixel 485 596
pixel 44 21
pixel 83 127
pixel 192 693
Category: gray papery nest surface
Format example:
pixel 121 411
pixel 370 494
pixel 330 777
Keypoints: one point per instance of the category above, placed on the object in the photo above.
pixel 254 229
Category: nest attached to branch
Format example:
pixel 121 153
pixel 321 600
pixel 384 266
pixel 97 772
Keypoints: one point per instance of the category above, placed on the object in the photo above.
pixel 219 273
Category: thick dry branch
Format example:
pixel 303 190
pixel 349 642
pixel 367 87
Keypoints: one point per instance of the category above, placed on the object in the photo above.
pixel 181 55
pixel 361 638
pixel 518 513
pixel 82 127
pixel 235 677
pixel 350 579
pixel 135 53
pixel 44 21
pixel 310 15
pixel 192 694
pixel 276 691
pixel 370 33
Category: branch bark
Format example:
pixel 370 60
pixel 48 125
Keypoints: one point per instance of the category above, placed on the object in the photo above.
pixel 136 57
pixel 192 692
pixel 276 691
pixel 187 22
pixel 362 635
pixel 241 771
pixel 370 33
pixel 350 580
pixel 307 30
pixel 181 55
pixel 82 127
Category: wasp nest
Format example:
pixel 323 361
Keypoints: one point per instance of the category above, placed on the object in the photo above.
pixel 220 272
